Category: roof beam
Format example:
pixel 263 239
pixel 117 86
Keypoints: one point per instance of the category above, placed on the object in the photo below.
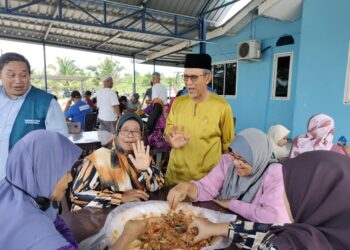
pixel 23 6
pixel 118 34
pixel 163 41
pixel 210 35
pixel 50 25
pixel 98 17
pixel 153 46
pixel 220 7
pixel 204 7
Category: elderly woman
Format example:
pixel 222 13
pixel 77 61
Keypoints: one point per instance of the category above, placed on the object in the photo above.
pixel 244 181
pixel 37 176
pixel 319 136
pixel 278 135
pixel 112 177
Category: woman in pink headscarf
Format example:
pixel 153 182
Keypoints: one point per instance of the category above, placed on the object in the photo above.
pixel 319 136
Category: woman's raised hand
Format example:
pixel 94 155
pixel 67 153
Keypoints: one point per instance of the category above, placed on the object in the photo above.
pixel 141 158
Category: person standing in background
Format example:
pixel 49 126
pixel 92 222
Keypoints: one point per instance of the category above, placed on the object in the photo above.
pixel 108 105
pixel 89 101
pixel 148 95
pixel 159 90
pixel 24 108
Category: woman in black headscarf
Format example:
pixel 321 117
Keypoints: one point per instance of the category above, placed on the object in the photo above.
pixel 316 186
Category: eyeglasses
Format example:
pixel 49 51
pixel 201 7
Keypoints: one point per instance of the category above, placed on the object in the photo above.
pixel 125 132
pixel 193 78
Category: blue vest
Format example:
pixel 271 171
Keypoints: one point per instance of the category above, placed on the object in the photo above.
pixel 32 114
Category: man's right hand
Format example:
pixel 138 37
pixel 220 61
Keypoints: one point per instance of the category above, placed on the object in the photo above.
pixel 176 137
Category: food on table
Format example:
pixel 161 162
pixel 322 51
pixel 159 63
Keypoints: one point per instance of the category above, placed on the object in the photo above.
pixel 169 231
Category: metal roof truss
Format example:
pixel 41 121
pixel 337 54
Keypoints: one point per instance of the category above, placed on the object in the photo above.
pixel 106 15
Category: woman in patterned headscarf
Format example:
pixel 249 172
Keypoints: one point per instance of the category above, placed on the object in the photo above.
pixel 319 136
pixel 123 174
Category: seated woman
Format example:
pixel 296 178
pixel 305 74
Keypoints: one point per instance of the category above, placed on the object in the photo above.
pixel 278 135
pixel 108 177
pixel 319 136
pixel 37 176
pixel 317 222
pixel 244 181
pixel 155 126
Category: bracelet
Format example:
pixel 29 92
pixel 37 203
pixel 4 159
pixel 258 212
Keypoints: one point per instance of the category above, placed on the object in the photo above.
pixel 231 230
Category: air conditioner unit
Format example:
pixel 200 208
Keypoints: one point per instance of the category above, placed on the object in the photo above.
pixel 249 50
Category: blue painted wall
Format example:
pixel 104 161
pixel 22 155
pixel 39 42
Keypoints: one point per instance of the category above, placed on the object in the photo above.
pixel 325 35
pixel 253 106
pixel 320 53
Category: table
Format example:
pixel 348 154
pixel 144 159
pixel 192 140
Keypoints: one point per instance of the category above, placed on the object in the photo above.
pixel 86 137
pixel 89 221
pixel 89 141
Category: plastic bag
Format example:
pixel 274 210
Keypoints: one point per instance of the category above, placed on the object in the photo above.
pixel 116 220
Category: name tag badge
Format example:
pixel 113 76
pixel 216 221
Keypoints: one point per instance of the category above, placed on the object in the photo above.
pixel 30 121
pixel 84 107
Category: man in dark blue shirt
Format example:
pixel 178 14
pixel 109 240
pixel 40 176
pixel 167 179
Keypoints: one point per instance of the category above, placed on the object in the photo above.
pixel 77 111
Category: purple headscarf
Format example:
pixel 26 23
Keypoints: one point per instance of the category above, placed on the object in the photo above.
pixel 317 186
pixel 35 164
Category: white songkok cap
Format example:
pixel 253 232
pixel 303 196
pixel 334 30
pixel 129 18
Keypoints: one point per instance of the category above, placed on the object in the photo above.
pixel 105 77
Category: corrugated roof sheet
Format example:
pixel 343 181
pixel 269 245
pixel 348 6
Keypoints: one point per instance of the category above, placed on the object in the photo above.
pixel 82 26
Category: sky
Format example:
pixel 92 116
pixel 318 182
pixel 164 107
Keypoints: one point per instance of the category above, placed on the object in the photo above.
pixel 34 53
pixel 235 8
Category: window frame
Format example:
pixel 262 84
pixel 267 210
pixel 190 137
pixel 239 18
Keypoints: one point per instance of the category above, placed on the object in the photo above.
pixel 224 85
pixel 346 99
pixel 274 76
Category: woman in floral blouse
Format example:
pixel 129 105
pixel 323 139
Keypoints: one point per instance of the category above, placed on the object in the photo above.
pixel 112 177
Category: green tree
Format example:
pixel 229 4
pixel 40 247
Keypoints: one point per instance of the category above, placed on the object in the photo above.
pixel 107 67
pixel 66 67
pixel 65 76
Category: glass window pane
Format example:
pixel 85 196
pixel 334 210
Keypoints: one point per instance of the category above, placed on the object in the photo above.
pixel 231 78
pixel 282 76
pixel 218 78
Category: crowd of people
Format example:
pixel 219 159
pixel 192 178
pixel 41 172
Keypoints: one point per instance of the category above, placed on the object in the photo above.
pixel 286 197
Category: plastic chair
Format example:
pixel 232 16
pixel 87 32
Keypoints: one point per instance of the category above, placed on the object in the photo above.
pixel 90 121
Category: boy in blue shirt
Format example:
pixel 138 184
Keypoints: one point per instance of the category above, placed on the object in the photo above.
pixel 77 111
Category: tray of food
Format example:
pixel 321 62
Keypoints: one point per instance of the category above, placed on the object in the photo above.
pixel 165 229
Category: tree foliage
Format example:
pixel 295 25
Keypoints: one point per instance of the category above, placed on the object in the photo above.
pixel 68 76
